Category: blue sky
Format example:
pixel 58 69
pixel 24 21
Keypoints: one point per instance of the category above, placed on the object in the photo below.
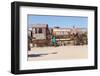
pixel 60 21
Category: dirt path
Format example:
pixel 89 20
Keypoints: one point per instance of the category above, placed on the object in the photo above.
pixel 62 52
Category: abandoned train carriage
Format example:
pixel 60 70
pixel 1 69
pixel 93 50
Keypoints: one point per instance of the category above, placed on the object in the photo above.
pixel 70 36
pixel 41 35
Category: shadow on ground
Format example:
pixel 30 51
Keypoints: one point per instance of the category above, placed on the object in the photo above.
pixel 39 55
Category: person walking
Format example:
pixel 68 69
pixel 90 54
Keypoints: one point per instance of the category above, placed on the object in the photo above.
pixel 54 41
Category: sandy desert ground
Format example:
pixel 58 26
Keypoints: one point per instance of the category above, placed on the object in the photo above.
pixel 54 53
